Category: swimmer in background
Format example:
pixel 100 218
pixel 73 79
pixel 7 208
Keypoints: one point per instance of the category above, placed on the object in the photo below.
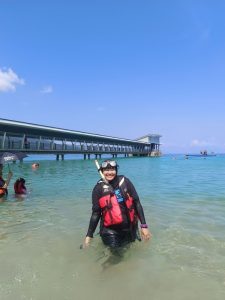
pixel 35 166
pixel 19 187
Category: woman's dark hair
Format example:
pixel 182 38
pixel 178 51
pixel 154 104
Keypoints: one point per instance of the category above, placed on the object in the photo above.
pixel 21 179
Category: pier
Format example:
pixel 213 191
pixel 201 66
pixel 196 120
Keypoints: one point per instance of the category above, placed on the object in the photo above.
pixel 16 136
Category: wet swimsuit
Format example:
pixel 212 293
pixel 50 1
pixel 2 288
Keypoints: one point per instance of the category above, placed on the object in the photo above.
pixel 116 234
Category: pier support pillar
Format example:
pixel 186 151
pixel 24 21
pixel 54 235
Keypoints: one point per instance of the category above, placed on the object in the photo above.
pixel 89 156
pixel 84 156
pixel 57 156
pixel 62 156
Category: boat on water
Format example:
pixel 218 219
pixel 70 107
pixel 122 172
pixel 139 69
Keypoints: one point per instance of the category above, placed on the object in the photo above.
pixel 201 154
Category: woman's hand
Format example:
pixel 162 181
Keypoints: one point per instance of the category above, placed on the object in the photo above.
pixel 87 241
pixel 145 234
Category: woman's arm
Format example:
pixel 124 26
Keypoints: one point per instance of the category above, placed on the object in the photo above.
pixel 96 214
pixel 10 174
pixel 145 233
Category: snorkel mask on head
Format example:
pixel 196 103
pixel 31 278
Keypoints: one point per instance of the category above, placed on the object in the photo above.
pixel 109 164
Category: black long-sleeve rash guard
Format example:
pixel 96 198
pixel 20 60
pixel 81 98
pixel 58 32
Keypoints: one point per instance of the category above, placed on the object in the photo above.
pixel 97 212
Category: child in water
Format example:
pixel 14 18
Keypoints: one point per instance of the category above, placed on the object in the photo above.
pixel 19 187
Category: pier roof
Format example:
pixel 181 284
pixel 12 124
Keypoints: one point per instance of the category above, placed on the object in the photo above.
pixel 29 129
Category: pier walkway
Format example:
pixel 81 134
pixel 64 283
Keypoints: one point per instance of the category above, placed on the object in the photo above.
pixel 30 138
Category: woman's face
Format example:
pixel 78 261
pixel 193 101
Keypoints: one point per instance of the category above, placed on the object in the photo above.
pixel 109 173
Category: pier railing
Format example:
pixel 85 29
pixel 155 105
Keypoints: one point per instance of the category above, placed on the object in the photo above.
pixel 37 139
pixel 46 146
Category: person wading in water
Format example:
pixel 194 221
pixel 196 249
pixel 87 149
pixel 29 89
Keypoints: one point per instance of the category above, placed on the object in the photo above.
pixel 116 204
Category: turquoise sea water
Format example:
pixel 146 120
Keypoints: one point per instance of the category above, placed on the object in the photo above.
pixel 184 203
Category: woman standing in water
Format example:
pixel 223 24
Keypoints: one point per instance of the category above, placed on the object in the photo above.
pixel 4 183
pixel 116 202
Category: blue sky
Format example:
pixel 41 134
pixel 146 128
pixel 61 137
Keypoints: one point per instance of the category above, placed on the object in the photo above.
pixel 119 68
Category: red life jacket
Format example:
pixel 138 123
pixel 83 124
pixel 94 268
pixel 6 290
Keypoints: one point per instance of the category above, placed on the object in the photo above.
pixel 111 211
pixel 3 191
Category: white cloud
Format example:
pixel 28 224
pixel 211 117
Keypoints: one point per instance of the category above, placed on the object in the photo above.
pixel 8 80
pixel 47 89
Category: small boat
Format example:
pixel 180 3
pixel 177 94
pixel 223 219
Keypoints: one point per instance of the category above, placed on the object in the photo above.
pixel 201 154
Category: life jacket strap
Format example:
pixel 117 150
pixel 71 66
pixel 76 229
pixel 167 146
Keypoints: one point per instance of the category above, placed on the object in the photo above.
pixel 121 181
